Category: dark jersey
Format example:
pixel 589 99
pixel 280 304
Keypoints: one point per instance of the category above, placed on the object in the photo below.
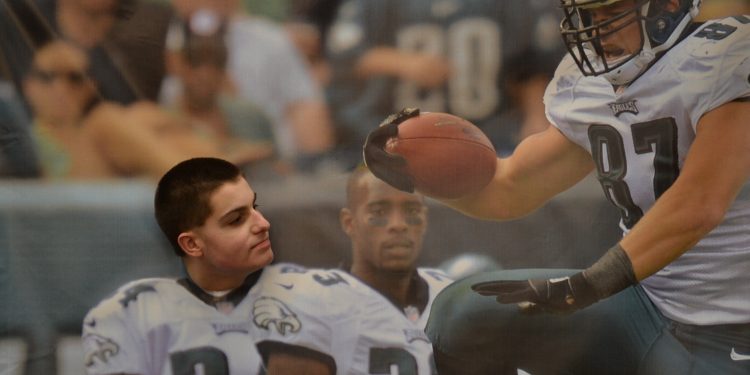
pixel 480 38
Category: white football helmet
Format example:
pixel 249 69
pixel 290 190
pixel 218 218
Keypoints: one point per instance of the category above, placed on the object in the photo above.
pixel 662 22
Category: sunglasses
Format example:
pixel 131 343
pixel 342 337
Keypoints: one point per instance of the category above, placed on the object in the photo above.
pixel 73 77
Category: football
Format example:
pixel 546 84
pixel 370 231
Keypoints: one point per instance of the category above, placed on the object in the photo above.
pixel 446 156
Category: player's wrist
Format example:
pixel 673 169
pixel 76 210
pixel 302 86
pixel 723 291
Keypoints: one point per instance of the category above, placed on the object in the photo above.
pixel 582 291
pixel 610 274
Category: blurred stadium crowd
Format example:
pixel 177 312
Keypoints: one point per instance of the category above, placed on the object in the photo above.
pixel 118 91
pixel 125 88
pixel 107 89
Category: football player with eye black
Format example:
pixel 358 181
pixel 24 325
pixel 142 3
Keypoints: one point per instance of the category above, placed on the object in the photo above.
pixel 383 299
pixel 658 106
pixel 386 228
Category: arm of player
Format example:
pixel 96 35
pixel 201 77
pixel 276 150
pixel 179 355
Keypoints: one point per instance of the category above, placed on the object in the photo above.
pixel 542 166
pixel 427 71
pixel 715 169
pixel 665 232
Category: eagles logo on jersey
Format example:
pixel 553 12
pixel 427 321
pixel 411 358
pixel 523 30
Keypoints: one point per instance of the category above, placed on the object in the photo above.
pixel 98 348
pixel 183 330
pixel 333 312
pixel 269 312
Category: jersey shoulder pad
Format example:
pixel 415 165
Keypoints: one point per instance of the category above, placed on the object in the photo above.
pixel 112 331
pixel 306 286
pixel 715 61
pixel 563 82
pixel 717 45
pixel 730 33
pixel 303 307
pixel 567 86
pixel 133 293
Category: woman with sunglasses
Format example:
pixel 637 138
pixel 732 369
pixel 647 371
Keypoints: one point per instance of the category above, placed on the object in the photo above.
pixel 79 136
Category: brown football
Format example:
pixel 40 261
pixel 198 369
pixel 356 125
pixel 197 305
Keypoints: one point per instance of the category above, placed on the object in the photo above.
pixel 446 156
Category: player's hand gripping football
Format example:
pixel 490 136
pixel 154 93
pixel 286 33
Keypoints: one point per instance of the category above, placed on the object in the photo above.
pixel 384 165
pixel 558 295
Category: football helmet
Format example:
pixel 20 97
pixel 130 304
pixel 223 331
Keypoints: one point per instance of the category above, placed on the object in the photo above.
pixel 587 26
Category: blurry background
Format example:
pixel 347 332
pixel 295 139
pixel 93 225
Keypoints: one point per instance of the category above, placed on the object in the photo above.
pixel 99 97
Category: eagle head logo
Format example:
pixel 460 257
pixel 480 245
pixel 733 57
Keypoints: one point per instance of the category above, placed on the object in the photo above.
pixel 98 348
pixel 270 312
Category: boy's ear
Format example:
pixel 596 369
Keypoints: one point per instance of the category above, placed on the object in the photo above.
pixel 190 244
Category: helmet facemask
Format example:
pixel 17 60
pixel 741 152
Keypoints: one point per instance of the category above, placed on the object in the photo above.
pixel 586 38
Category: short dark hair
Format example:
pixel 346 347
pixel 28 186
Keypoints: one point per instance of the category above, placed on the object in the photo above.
pixel 182 199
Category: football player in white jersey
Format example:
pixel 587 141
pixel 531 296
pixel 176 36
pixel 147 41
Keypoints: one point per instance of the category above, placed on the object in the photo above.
pixel 210 321
pixel 658 106
pixel 387 227
pixel 372 319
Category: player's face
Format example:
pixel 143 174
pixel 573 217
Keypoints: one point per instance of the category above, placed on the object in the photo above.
pixel 622 37
pixel 235 237
pixel 386 227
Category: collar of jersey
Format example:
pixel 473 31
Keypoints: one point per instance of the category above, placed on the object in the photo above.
pixel 234 297
pixel 417 296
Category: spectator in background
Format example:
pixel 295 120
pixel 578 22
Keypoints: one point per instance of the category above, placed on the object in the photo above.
pixel 126 60
pixel 270 72
pixel 136 44
pixel 440 56
pixel 79 136
pixel 307 24
pixel 527 74
pixel 276 11
pixel 208 101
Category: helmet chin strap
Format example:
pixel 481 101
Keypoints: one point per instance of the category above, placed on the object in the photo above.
pixel 630 70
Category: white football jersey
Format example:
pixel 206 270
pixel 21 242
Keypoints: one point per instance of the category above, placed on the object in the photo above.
pixel 361 329
pixel 170 327
pixel 159 327
pixel 639 137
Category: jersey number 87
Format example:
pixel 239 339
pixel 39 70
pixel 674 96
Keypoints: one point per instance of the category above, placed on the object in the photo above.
pixel 608 150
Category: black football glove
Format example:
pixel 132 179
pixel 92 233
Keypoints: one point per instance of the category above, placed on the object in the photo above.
pixel 384 165
pixel 610 274
pixel 558 295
